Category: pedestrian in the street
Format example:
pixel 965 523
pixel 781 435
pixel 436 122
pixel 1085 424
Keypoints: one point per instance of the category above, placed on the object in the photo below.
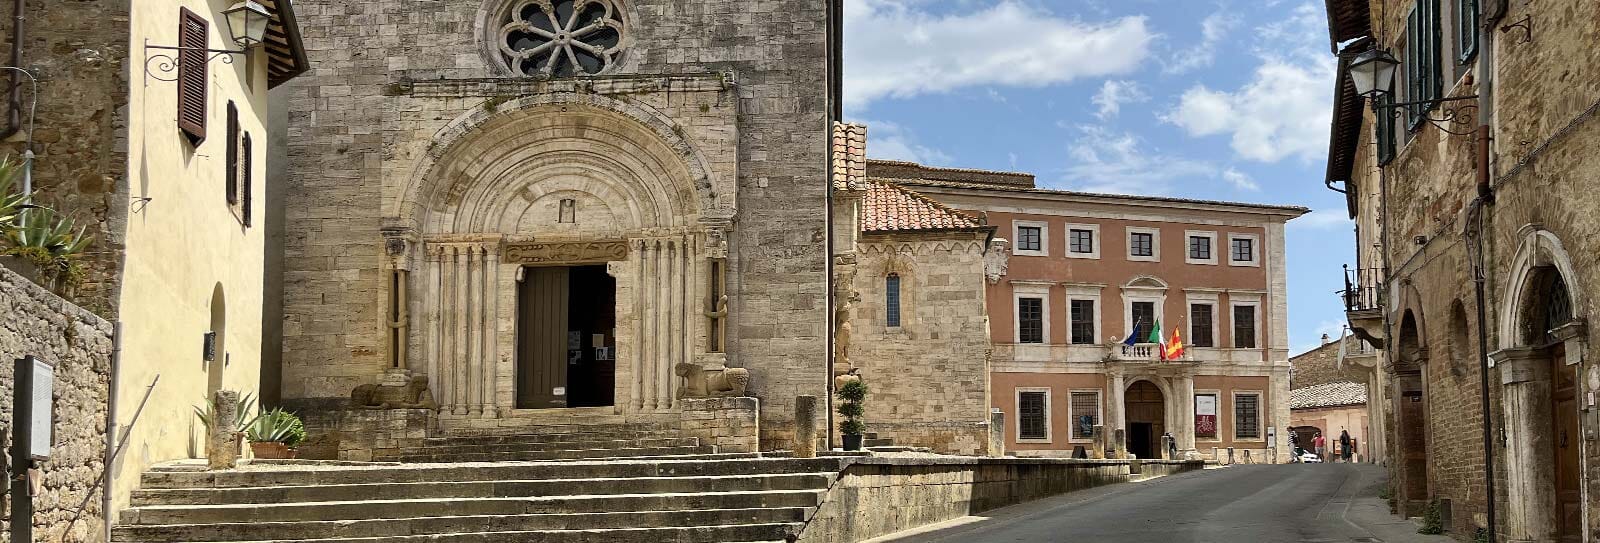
pixel 1320 444
pixel 1294 449
pixel 1344 446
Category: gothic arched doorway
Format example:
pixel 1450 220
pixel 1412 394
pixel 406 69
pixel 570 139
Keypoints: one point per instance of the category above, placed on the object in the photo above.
pixel 1145 408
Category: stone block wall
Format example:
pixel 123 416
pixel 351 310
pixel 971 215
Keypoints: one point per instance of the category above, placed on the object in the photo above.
pixel 1320 365
pixel 79 344
pixel 731 424
pixel 928 378
pixel 361 435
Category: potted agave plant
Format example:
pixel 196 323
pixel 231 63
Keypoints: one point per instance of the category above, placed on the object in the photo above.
pixel 245 404
pixel 851 395
pixel 274 434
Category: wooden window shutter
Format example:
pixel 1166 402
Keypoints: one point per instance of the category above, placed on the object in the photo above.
pixel 192 32
pixel 233 154
pixel 247 171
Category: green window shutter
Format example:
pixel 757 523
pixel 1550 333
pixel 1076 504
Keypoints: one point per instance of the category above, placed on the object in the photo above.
pixel 1386 135
pixel 1435 49
pixel 1466 30
pixel 1413 64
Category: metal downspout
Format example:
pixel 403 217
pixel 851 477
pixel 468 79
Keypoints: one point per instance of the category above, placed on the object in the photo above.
pixel 1484 203
pixel 835 114
pixel 111 429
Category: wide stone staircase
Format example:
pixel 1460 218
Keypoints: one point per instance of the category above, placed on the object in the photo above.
pixel 581 485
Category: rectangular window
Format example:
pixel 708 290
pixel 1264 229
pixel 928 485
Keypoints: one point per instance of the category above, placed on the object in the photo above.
pixel 1205 416
pixel 1030 320
pixel 247 184
pixel 1244 327
pixel 1143 319
pixel 1082 322
pixel 1244 249
pixel 1142 244
pixel 1199 248
pixel 1424 79
pixel 1030 238
pixel 891 287
pixel 1082 241
pixel 1033 415
pixel 1085 413
pixel 192 80
pixel 1466 31
pixel 231 179
pixel 1200 325
pixel 1247 416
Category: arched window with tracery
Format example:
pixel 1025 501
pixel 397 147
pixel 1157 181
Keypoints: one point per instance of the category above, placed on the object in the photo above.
pixel 562 37
pixel 1552 306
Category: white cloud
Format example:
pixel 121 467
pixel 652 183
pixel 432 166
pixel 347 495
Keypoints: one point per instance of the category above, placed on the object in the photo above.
pixel 890 141
pixel 1282 111
pixel 896 48
pixel 1213 29
pixel 1240 180
pixel 1324 219
pixel 1119 163
pixel 1113 93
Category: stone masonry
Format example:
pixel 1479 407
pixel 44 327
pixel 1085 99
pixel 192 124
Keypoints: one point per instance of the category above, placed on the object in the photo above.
pixel 78 343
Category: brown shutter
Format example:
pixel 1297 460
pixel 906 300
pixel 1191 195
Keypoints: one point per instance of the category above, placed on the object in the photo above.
pixel 192 32
pixel 248 172
pixel 233 154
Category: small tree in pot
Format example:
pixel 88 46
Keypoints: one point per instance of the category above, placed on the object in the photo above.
pixel 274 434
pixel 851 395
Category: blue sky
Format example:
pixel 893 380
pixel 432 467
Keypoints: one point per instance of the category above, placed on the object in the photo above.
pixel 1194 98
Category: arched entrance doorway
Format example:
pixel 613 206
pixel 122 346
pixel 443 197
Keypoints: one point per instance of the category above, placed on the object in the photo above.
pixel 1145 408
pixel 1411 414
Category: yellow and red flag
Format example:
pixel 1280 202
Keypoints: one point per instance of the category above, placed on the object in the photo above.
pixel 1174 348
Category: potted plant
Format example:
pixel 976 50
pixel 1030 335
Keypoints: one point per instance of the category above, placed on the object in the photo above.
pixel 274 434
pixel 851 395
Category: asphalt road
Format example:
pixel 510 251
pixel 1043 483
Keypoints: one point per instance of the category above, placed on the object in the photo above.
pixel 1298 503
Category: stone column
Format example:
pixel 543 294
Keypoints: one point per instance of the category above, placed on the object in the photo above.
pixel 1184 432
pixel 491 328
pixel 1117 409
pixel 1530 504
pixel 805 426
pixel 222 444
pixel 472 403
pixel 432 321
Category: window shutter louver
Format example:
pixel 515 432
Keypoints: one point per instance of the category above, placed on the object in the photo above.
pixel 192 32
pixel 248 172
pixel 232 181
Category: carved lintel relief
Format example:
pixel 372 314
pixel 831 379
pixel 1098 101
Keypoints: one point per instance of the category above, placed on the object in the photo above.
pixel 565 252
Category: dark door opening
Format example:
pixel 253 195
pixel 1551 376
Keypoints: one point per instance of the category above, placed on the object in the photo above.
pixel 1145 407
pixel 566 341
pixel 1139 442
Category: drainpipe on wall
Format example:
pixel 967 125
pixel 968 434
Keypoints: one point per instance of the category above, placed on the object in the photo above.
pixel 835 114
pixel 14 102
pixel 111 430
pixel 1480 207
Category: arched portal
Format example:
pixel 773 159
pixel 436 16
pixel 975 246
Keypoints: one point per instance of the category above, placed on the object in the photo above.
pixel 1145 408
pixel 1411 413
pixel 217 364
pixel 570 245
pixel 1542 335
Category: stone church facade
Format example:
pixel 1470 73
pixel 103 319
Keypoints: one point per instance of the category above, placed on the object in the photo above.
pixel 626 186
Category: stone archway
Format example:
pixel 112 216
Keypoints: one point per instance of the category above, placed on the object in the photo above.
pixel 1543 336
pixel 1411 412
pixel 514 212
pixel 1145 411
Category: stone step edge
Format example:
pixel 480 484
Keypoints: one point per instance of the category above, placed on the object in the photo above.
pixel 696 457
pixel 376 503
pixel 801 512
pixel 154 492
pixel 183 478
pixel 793 526
pixel 554 451
pixel 585 444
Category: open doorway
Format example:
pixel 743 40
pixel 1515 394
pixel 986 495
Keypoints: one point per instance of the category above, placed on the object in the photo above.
pixel 1146 411
pixel 566 337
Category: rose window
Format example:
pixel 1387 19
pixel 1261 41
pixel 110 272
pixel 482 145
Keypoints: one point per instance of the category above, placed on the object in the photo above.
pixel 562 37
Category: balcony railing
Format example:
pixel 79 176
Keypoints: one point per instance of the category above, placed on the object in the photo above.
pixel 1363 288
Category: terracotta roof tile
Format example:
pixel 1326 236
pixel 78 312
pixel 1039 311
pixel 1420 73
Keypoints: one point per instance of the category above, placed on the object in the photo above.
pixel 888 207
pixel 1328 395
pixel 849 156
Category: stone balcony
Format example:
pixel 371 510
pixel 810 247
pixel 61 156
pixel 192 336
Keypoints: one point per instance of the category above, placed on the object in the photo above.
pixel 1363 298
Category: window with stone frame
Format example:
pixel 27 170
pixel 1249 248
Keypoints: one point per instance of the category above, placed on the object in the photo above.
pixel 1244 327
pixel 1142 244
pixel 1201 323
pixel 1199 248
pixel 562 38
pixel 1243 249
pixel 1143 317
pixel 1030 238
pixel 1033 417
pixel 1081 241
pixel 1246 415
pixel 891 286
pixel 1030 320
pixel 1082 314
pixel 1084 403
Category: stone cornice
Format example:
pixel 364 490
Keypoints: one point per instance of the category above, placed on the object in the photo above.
pixel 505 86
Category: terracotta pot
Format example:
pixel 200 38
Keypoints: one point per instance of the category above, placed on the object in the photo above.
pixel 271 450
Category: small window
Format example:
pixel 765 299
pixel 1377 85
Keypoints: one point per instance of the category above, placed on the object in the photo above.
pixel 1085 413
pixel 1033 415
pixel 1199 248
pixel 1423 76
pixel 1143 319
pixel 1142 244
pixel 891 287
pixel 1082 322
pixel 1030 320
pixel 1205 416
pixel 1247 416
pixel 1030 238
pixel 1200 327
pixel 1466 31
pixel 192 80
pixel 1244 327
pixel 231 180
pixel 247 184
pixel 1242 250
pixel 1082 241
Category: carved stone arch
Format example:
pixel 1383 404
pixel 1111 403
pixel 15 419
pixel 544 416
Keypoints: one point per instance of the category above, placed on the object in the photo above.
pixel 1166 389
pixel 614 131
pixel 1146 281
pixel 1539 252
pixel 1411 350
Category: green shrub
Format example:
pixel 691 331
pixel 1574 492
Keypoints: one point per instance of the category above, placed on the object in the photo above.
pixel 243 406
pixel 11 196
pixel 51 242
pixel 852 394
pixel 1432 521
pixel 277 426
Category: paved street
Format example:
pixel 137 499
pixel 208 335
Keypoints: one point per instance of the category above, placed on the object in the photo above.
pixel 1279 503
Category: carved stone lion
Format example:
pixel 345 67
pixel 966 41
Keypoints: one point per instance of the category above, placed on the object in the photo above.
pixel 414 395
pixel 700 382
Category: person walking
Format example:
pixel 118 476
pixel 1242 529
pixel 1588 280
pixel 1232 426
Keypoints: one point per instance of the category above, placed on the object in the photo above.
pixel 1344 446
pixel 1320 444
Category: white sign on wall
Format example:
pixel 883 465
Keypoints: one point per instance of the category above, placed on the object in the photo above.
pixel 1205 405
pixel 39 420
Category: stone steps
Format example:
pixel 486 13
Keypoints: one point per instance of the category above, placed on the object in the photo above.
pixel 476 489
pixel 444 454
pixel 693 534
pixel 303 475
pixel 478 447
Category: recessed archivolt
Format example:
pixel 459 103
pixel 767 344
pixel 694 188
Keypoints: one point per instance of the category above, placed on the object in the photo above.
pixel 1538 249
pixel 486 168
